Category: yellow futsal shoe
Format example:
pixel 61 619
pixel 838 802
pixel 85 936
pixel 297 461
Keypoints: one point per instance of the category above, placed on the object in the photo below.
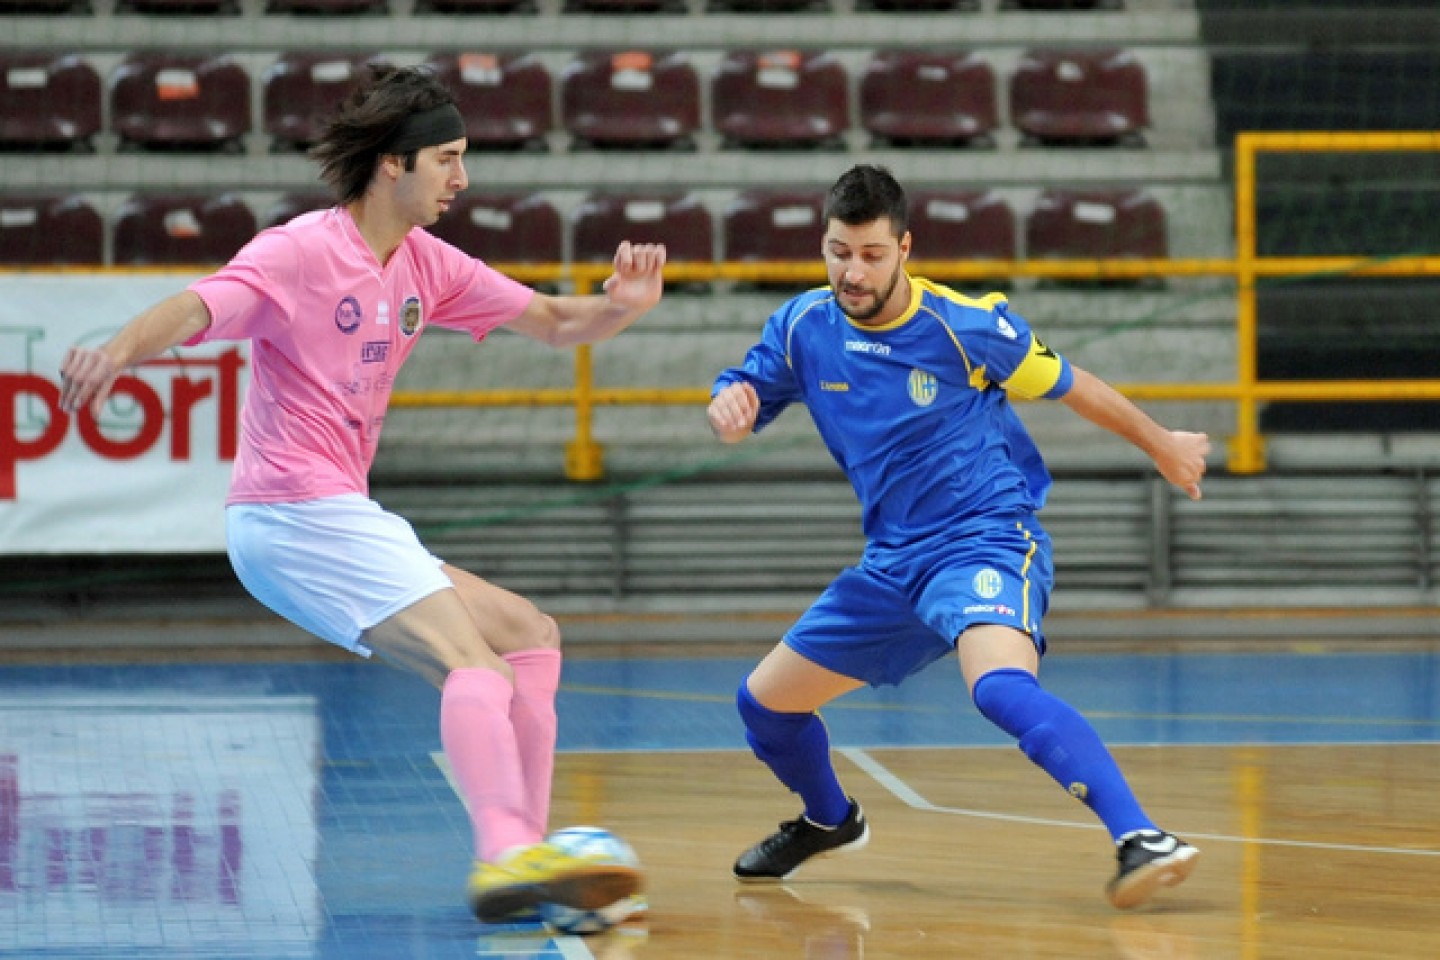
pixel 544 873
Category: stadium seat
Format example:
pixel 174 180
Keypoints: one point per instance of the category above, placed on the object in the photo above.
pixel 301 88
pixel 291 205
pixel 678 220
pixel 780 98
pixel 765 6
pixel 928 98
pixel 961 225
pixel 1061 4
pixel 773 225
pixel 50 230
pixel 625 6
pixel 347 7
pixel 1096 224
pixel 488 7
pixel 630 99
pixel 916 6
pixel 185 101
pixel 173 7
pixel 504 228
pixel 45 6
pixel 48 101
pixel 762 225
pixel 506 98
pixel 172 229
pixel 1080 97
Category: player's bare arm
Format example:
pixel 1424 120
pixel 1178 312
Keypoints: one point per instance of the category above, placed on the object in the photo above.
pixel 1179 455
pixel 88 373
pixel 732 412
pixel 634 288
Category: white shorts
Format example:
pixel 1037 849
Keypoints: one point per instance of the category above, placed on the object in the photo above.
pixel 334 566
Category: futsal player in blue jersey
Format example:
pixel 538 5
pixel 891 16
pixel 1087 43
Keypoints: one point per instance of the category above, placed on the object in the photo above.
pixel 908 383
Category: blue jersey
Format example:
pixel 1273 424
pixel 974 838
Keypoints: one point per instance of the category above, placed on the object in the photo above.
pixel 915 411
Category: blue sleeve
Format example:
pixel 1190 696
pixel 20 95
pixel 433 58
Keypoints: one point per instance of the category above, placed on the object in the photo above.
pixel 1015 358
pixel 767 369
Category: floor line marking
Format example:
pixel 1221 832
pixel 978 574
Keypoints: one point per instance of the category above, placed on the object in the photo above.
pixel 910 797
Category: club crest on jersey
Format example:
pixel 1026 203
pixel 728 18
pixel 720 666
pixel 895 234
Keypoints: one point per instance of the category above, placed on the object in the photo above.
pixel 988 583
pixel 348 315
pixel 923 388
pixel 410 316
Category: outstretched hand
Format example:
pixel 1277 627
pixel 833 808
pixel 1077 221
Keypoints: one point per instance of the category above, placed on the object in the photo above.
pixel 1182 460
pixel 87 375
pixel 637 282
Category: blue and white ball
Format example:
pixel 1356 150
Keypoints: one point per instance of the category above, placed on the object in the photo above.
pixel 603 846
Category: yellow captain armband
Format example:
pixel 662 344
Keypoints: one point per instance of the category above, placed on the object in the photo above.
pixel 1038 372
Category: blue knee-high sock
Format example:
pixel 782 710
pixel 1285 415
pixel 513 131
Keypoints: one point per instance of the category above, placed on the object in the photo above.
pixel 796 747
pixel 1062 743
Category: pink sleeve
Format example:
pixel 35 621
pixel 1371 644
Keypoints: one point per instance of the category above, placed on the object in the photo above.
pixel 476 298
pixel 265 271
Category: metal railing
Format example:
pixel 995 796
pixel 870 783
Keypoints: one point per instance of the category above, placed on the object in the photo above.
pixel 584 457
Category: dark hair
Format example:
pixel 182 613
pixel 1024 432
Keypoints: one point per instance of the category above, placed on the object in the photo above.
pixel 353 137
pixel 864 194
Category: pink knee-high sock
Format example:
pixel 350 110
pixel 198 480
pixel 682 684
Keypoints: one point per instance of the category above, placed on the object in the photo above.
pixel 479 742
pixel 532 713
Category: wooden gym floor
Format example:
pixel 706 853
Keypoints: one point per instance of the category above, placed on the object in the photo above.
pixel 301 810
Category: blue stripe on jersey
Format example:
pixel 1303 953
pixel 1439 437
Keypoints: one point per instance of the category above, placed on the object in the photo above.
pixel 914 411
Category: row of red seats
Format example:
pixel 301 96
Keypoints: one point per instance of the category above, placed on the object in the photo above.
pixel 758 225
pixel 781 98
pixel 350 7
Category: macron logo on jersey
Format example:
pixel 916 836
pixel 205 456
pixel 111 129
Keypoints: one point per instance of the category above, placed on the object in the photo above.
pixel 865 346
pixel 1004 327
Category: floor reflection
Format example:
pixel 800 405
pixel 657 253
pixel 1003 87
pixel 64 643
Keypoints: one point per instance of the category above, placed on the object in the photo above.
pixel 825 931
pixel 164 827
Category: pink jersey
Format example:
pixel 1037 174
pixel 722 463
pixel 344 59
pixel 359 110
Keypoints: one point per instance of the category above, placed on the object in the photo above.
pixel 330 328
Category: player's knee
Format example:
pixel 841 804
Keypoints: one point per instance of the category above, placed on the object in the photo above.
pixel 763 723
pixel 1000 697
pixel 532 629
pixel 548 632
pixel 750 708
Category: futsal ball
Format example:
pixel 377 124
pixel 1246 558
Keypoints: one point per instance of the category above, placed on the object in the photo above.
pixel 603 846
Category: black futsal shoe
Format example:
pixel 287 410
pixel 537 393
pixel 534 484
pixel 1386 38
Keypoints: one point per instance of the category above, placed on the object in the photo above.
pixel 779 855
pixel 1149 860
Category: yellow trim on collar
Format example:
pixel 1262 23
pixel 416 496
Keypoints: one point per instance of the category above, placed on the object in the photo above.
pixel 917 290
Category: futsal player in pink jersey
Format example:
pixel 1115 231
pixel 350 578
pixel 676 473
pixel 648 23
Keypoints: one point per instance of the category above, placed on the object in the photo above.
pixel 332 303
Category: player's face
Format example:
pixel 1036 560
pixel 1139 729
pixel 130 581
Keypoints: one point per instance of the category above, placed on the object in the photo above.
pixel 866 263
pixel 430 189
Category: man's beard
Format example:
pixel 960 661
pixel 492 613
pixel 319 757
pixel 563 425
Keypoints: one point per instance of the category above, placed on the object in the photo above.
pixel 880 301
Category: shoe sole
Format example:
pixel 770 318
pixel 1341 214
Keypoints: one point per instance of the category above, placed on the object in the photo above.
pixel 1143 883
pixel 588 888
pixel 841 850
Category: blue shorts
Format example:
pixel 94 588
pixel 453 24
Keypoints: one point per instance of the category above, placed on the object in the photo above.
pixel 901 610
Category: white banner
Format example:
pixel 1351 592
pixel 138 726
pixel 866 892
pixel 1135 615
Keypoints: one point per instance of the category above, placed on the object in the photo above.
pixel 149 475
